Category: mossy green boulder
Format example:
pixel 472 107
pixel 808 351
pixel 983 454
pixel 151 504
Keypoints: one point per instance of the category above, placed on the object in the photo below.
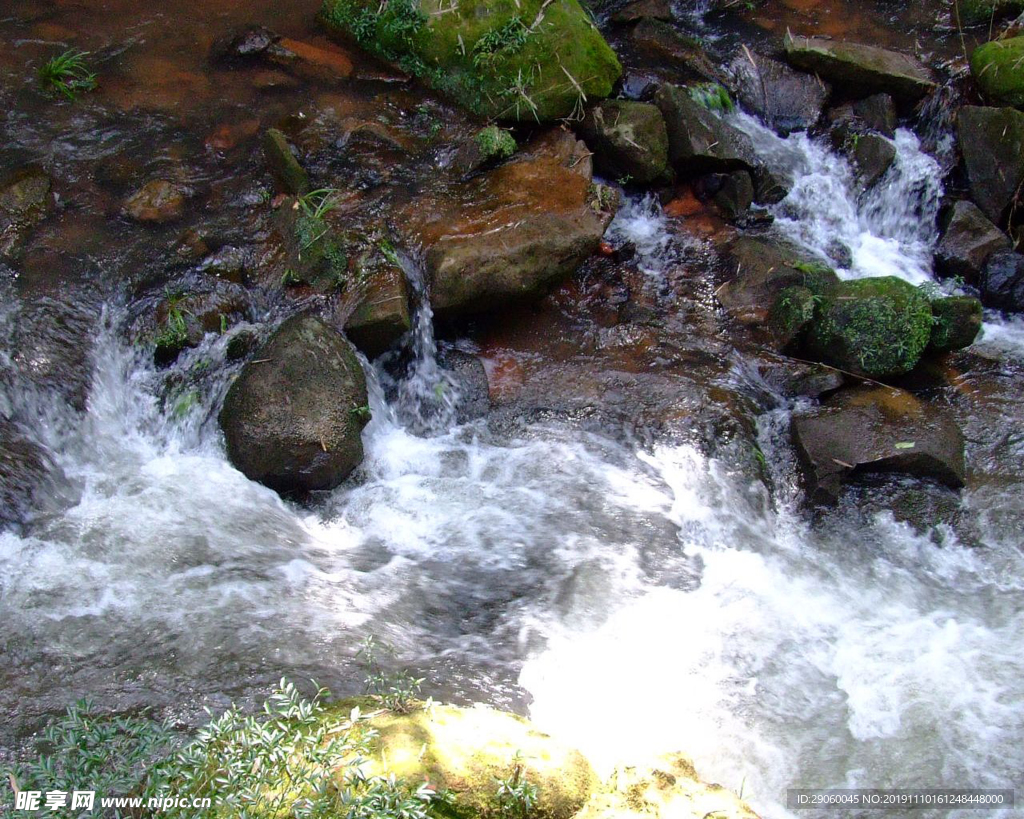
pixel 465 751
pixel 957 323
pixel 877 327
pixel 513 60
pixel 998 68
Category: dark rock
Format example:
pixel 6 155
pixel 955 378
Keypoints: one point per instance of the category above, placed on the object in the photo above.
pixel 786 100
pixel 25 200
pixel 984 12
pixel 157 202
pixel 875 113
pixel 790 316
pixel 512 232
pixel 241 344
pixel 228 264
pixel 876 429
pixel 643 10
pixel 180 321
pixel 659 44
pixel 877 327
pixel 1002 281
pixel 872 156
pixel 381 316
pixel 52 344
pixel 732 193
pixel 290 175
pixel 293 418
pixel 967 242
pixel 861 70
pixel 699 140
pixel 957 323
pixel 628 139
pixel 246 45
pixel 26 471
pixel 470 379
pixel 992 144
pixel 799 379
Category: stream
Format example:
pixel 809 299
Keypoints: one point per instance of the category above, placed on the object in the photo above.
pixel 632 594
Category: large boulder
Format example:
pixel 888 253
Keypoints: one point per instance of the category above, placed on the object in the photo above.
pixel 512 232
pixel 1001 283
pixel 859 70
pixel 629 139
pixel 967 242
pixel 785 99
pixel 877 327
pixel 535 60
pixel 956 323
pixel 992 143
pixel 998 68
pixel 700 141
pixel 293 417
pixel 876 429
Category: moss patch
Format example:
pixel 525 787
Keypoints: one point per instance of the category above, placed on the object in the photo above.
pixel 526 60
pixel 957 323
pixel 495 142
pixel 998 68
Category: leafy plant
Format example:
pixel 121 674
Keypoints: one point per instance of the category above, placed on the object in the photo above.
pixel 517 796
pixel 495 142
pixel 501 42
pixel 67 74
pixel 174 333
pixel 397 691
pixel 712 96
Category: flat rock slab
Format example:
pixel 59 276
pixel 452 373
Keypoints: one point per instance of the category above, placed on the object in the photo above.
pixel 876 429
pixel 861 70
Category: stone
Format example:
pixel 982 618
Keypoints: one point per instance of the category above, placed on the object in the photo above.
pixel 249 44
pixel 790 315
pixel 470 379
pixel 293 417
pixel 25 200
pixel 532 61
pixel 877 327
pixel 786 100
pixel 157 202
pixel 290 175
pixel 997 69
pixel 699 141
pixel 628 139
pixel 643 10
pixel 992 144
pixel 872 156
pixel 512 232
pixel 381 316
pixel 25 469
pixel 1002 281
pixel 967 242
pixel 732 193
pixel 659 45
pixel 321 63
pixel 876 429
pixel 859 70
pixel 956 325
pixel 984 12
pixel 875 113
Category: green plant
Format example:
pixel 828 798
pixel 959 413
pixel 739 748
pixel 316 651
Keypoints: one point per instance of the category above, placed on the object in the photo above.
pixel 290 278
pixel 517 796
pixel 174 333
pixel 397 691
pixel 317 204
pixel 67 74
pixel 501 42
pixel 362 413
pixel 712 96
pixel 495 142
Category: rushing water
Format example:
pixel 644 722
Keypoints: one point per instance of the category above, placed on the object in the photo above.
pixel 634 598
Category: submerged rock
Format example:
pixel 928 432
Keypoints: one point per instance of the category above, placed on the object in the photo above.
pixel 998 69
pixel 290 175
pixel 785 99
pixel 967 242
pixel 861 70
pixel 512 232
pixel 660 45
pixel 534 60
pixel 877 327
pixel 629 139
pixel 156 202
pixel 293 417
pixel 992 143
pixel 876 429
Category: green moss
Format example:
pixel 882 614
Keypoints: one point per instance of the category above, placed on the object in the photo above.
pixel 792 311
pixel 877 327
pixel 712 96
pixel 956 324
pixel 531 59
pixel 496 143
pixel 998 68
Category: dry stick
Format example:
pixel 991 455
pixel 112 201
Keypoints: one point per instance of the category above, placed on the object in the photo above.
pixel 845 372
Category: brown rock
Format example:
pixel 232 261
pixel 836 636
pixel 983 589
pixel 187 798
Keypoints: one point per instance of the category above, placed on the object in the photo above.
pixel 157 202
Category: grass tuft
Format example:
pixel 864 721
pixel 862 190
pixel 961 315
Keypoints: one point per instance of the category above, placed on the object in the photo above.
pixel 67 74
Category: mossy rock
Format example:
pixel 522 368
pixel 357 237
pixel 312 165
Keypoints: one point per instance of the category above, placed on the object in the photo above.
pixel 791 313
pixel 877 327
pixel 981 12
pixel 533 60
pixel 998 68
pixel 957 323
pixel 465 750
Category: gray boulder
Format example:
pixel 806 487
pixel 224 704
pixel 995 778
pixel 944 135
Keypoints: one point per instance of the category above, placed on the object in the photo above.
pixel 876 429
pixel 293 417
pixel 1002 281
pixel 629 139
pixel 992 144
pixel 967 242
pixel 785 99
pixel 700 141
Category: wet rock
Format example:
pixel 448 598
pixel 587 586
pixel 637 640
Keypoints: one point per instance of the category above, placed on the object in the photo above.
pixel 875 113
pixel 181 320
pixel 967 242
pixel 992 144
pixel 157 202
pixel 246 45
pixel 670 788
pixel 732 193
pixel 228 263
pixel 25 200
pixel 860 70
pixel 790 316
pixel 699 140
pixel 52 344
pixel 241 344
pixel 293 418
pixel 871 156
pixel 786 100
pixel 1002 281
pixel 486 147
pixel 509 233
pixel 290 175
pixel 322 63
pixel 25 474
pixel 628 139
pixel 659 44
pixel 799 379
pixel 877 327
pixel 998 69
pixel 381 316
pixel 464 53
pixel 876 429
pixel 983 12
pixel 957 322
pixel 470 377
pixel 643 10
